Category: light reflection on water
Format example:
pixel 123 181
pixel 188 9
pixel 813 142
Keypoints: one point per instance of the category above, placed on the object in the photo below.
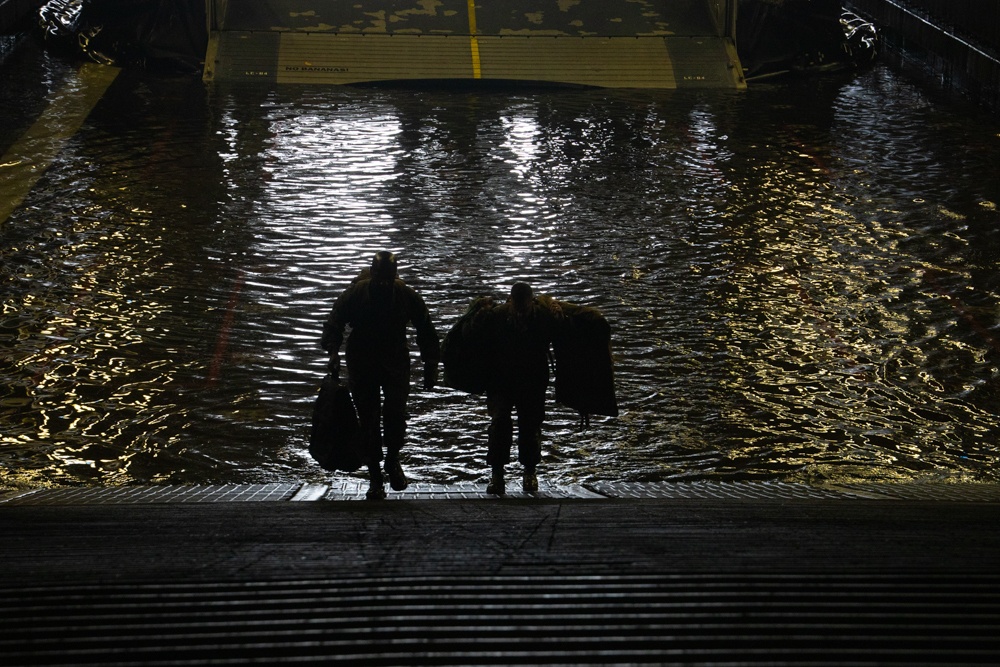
pixel 799 290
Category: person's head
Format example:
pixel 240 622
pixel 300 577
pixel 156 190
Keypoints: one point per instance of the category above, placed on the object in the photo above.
pixel 384 267
pixel 521 297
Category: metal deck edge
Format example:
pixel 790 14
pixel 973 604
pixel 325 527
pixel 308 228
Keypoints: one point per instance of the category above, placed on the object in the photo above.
pixel 352 488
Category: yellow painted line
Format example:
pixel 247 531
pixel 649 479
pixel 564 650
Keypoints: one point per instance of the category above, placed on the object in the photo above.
pixel 35 151
pixel 477 70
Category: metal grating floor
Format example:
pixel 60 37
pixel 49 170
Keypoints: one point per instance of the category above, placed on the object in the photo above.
pixel 983 493
pixel 125 495
pixel 714 490
pixel 354 489
pixel 351 488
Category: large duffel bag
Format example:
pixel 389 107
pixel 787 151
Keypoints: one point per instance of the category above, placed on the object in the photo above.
pixel 335 438
pixel 464 354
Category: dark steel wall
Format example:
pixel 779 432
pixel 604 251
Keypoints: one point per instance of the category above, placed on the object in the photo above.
pixel 977 20
pixel 955 41
pixel 13 12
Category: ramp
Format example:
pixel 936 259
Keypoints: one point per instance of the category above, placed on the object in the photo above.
pixel 636 44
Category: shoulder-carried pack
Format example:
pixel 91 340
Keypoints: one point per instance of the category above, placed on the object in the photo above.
pixel 464 352
pixel 585 377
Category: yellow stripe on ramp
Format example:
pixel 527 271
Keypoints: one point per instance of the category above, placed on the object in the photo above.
pixel 477 70
pixel 35 151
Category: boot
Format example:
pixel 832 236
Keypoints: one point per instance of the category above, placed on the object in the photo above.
pixel 497 487
pixel 376 487
pixel 397 478
pixel 530 481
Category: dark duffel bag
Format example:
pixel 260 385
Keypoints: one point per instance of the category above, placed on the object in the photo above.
pixel 335 438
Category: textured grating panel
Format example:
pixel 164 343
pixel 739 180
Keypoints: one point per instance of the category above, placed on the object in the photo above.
pixel 340 488
pixel 609 62
pixel 713 490
pixel 340 59
pixel 354 489
pixel 986 493
pixel 155 494
pixel 722 619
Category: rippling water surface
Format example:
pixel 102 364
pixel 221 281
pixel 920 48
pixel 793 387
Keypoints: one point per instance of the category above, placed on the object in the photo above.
pixel 802 279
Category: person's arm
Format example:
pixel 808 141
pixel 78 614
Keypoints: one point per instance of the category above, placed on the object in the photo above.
pixel 427 339
pixel 333 330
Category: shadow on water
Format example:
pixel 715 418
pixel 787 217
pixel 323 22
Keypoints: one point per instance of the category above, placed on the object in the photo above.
pixel 801 278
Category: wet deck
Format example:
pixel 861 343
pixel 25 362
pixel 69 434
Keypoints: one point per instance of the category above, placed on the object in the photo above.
pixel 633 44
pixel 687 573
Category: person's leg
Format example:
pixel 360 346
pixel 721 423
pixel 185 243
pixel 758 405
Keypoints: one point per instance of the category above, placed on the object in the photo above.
pixel 530 415
pixel 365 393
pixel 500 440
pixel 396 390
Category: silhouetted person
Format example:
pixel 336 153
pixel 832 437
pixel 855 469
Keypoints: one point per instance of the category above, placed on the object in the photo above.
pixel 378 308
pixel 519 334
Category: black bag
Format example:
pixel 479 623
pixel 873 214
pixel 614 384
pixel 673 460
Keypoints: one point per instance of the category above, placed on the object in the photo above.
pixel 464 354
pixel 585 375
pixel 335 438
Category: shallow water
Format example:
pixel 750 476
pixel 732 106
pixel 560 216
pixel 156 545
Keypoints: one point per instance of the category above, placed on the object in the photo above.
pixel 801 279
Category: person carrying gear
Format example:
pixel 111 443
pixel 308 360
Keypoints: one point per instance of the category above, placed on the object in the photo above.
pixel 519 335
pixel 378 307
